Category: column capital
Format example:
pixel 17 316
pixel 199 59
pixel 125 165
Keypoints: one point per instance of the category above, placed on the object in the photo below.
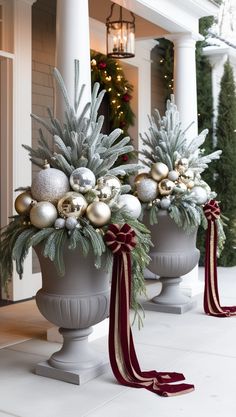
pixel 184 39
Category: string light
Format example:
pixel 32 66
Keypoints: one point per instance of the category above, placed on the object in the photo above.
pixel 161 60
pixel 108 78
pixel 165 76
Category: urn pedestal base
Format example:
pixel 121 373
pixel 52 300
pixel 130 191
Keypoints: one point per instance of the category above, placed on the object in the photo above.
pixel 76 362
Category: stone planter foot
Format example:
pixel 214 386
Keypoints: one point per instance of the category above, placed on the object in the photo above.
pixel 170 299
pixel 76 362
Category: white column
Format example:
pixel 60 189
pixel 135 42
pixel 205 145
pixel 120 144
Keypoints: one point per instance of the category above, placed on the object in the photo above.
pixel 21 122
pixel 73 43
pixel 185 91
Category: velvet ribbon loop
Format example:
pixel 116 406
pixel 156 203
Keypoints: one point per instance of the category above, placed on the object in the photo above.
pixel 123 358
pixel 212 305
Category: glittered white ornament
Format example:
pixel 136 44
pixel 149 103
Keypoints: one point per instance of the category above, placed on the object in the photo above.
pixel 71 223
pixel 159 171
pixel 59 223
pixel 165 203
pixel 147 190
pixel 82 180
pixel 49 184
pixel 131 203
pixel 43 214
pixel 199 195
pixel 72 205
pixel 98 213
pixel 173 175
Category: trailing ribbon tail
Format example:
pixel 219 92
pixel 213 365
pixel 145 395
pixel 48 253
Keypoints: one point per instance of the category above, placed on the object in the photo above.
pixel 122 353
pixel 212 305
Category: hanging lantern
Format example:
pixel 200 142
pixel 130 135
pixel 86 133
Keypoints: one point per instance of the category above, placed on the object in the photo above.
pixel 120 35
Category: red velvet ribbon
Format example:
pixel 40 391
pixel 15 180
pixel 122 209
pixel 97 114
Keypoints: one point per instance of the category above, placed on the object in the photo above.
pixel 212 305
pixel 123 358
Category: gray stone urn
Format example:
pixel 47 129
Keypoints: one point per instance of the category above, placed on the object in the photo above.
pixel 74 302
pixel 174 254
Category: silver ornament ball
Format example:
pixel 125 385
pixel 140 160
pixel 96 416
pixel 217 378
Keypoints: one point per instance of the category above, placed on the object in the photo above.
pixel 82 180
pixel 109 180
pixel 98 213
pixel 159 171
pixel 173 175
pixel 131 204
pixel 105 193
pixel 23 203
pixel 59 223
pixel 147 190
pixel 199 195
pixel 71 223
pixel 72 205
pixel 165 203
pixel 49 185
pixel 43 214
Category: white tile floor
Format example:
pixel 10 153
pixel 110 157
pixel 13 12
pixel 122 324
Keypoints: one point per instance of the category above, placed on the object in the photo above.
pixel 202 347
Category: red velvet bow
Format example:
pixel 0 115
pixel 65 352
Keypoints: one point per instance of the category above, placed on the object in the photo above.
pixel 212 210
pixel 120 239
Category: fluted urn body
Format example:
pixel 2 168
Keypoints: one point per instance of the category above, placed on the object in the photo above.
pixel 174 254
pixel 74 302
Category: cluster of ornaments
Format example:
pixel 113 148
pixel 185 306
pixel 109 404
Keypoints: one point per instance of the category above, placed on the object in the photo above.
pixel 54 200
pixel 160 185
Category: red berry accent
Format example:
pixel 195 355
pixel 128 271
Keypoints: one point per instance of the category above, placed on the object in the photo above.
pixel 102 65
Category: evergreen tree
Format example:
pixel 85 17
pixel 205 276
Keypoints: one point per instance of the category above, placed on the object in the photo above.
pixel 226 180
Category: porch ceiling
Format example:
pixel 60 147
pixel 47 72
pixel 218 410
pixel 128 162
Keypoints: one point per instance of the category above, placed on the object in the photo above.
pixel 144 29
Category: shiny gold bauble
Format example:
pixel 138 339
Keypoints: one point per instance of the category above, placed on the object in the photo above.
pixel 109 180
pixel 140 177
pixel 98 213
pixel 72 205
pixel 105 193
pixel 187 176
pixel 159 171
pixel 166 187
pixel 23 203
pixel 43 214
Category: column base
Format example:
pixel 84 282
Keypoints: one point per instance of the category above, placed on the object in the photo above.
pixel 77 377
pixel 169 308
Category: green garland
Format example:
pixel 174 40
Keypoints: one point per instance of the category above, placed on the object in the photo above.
pixel 110 75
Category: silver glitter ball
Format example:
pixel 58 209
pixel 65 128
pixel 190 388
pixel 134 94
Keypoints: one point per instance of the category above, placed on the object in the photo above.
pixel 71 223
pixel 82 180
pixel 59 223
pixel 147 190
pixel 49 185
pixel 131 204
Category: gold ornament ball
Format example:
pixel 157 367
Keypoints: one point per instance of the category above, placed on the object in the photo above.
pixel 159 171
pixel 181 187
pixel 72 205
pixel 105 193
pixel 23 203
pixel 43 214
pixel 110 181
pixel 98 213
pixel 140 177
pixel 166 187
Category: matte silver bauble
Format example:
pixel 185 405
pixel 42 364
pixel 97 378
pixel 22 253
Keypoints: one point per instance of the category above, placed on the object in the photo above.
pixel 82 180
pixel 49 185
pixel 71 223
pixel 23 203
pixel 173 175
pixel 165 203
pixel 166 187
pixel 105 193
pixel 72 205
pixel 98 213
pixel 199 195
pixel 147 190
pixel 43 214
pixel 59 223
pixel 159 171
pixel 109 180
pixel 131 204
